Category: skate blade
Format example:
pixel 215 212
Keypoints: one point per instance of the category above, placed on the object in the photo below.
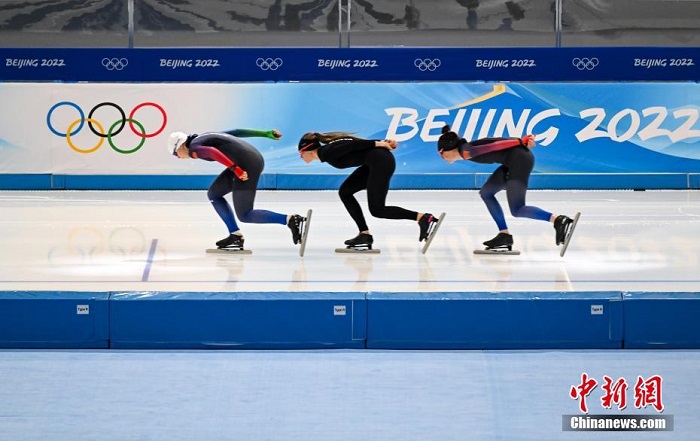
pixel 433 233
pixel 498 252
pixel 305 234
pixel 228 251
pixel 567 239
pixel 357 251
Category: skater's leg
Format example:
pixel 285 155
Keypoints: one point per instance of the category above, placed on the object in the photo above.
pixel 381 170
pixel 244 193
pixel 357 181
pixel 222 185
pixel 516 192
pixel 244 200
pixel 495 183
pixel 520 165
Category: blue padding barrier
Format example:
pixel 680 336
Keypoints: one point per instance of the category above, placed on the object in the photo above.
pixel 494 320
pixel 280 181
pixel 136 182
pixel 26 182
pixel 662 320
pixel 309 182
pixel 39 319
pixel 315 320
pixel 399 181
pixel 272 320
pixel 694 180
pixel 602 181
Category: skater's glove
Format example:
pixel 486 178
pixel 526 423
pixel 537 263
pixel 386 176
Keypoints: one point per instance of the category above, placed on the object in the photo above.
pixel 527 141
pixel 274 134
pixel 239 172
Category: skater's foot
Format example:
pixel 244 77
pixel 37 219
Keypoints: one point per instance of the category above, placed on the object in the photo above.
pixel 361 241
pixel 501 241
pixel 233 241
pixel 295 224
pixel 561 227
pixel 426 223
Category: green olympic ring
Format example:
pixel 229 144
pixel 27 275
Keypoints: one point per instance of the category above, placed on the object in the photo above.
pixel 122 121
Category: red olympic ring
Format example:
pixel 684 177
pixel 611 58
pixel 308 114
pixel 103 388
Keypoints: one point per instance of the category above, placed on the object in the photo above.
pixel 157 132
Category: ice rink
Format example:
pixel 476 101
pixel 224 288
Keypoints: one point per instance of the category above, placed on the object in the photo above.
pixel 156 241
pixel 123 240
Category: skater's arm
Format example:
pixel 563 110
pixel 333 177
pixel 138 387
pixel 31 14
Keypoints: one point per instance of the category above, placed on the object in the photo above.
pixel 480 147
pixel 341 147
pixel 255 133
pixel 213 154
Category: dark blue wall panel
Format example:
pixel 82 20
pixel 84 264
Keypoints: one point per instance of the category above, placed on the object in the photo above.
pixel 494 320
pixel 662 320
pixel 45 319
pixel 238 320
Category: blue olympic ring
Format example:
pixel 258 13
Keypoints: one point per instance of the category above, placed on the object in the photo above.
pixel 65 103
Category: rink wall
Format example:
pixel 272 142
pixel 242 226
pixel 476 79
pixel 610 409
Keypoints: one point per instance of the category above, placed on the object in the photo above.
pixel 99 119
pixel 316 320
pixel 435 181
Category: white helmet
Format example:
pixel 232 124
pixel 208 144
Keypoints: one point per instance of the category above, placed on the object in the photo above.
pixel 175 140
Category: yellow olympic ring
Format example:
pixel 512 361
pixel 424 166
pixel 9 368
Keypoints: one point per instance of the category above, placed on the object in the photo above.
pixel 74 147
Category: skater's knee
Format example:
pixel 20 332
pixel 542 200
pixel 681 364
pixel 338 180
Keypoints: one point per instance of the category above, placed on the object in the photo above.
pixel 244 215
pixel 345 193
pixel 376 210
pixel 215 199
pixel 517 211
pixel 486 194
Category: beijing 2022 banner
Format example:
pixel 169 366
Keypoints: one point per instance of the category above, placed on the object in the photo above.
pixel 98 128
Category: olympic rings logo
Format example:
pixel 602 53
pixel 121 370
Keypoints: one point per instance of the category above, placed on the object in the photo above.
pixel 269 63
pixel 77 125
pixel 427 64
pixel 585 63
pixel 114 63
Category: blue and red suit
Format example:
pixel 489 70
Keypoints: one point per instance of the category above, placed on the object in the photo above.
pixel 238 156
pixel 517 162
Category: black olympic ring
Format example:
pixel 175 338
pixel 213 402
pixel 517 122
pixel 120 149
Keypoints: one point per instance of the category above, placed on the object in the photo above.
pixel 116 132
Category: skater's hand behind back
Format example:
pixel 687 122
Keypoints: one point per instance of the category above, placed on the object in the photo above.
pixel 389 144
pixel 240 173
pixel 528 141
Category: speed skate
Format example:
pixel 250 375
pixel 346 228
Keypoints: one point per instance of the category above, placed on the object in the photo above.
pixel 362 243
pixel 569 233
pixel 230 251
pixel 432 231
pixel 501 244
pixel 233 244
pixel 498 251
pixel 358 250
pixel 305 234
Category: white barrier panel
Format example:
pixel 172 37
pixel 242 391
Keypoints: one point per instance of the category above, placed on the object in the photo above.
pixel 121 129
